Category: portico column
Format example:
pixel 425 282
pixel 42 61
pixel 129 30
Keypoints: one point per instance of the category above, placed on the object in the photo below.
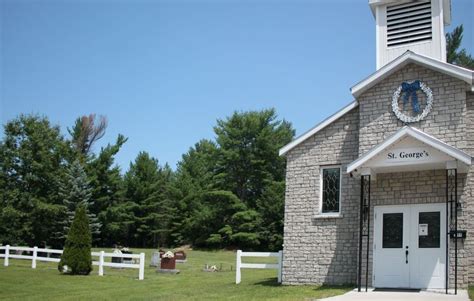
pixel 452 219
pixel 364 227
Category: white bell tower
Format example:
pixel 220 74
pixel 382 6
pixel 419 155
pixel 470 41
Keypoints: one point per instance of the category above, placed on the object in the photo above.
pixel 416 25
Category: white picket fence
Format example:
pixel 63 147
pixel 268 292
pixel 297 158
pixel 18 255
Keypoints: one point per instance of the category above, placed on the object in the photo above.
pixel 101 262
pixel 240 265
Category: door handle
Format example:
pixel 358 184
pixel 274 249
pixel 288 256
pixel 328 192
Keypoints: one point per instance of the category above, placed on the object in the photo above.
pixel 406 256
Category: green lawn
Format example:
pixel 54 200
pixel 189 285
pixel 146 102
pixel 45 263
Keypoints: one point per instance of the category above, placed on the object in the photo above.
pixel 471 292
pixel 20 282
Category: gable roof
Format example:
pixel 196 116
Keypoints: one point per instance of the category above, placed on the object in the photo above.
pixel 411 57
pixel 408 57
pixel 416 134
pixel 318 127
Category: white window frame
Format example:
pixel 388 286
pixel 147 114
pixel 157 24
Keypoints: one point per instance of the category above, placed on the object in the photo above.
pixel 321 183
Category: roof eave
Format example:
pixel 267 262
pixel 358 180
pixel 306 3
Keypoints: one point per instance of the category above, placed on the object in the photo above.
pixel 300 139
pixel 411 57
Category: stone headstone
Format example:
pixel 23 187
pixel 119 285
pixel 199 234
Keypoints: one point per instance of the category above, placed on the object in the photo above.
pixel 117 259
pixel 180 256
pixel 155 259
pixel 168 263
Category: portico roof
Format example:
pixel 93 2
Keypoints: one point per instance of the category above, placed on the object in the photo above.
pixel 410 149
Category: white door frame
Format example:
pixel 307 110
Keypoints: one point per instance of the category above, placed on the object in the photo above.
pixel 415 278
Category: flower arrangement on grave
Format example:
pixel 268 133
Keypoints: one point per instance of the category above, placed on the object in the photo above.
pixel 212 268
pixel 125 250
pixel 168 254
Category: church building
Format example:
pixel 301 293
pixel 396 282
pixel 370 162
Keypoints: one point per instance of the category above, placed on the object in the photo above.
pixel 381 194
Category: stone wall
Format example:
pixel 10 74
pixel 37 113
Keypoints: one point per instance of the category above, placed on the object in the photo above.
pixel 321 250
pixel 446 120
pixel 468 204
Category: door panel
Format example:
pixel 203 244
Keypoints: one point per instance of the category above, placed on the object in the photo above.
pixel 428 239
pixel 409 246
pixel 391 237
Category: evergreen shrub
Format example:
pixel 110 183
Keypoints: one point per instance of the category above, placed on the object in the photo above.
pixel 76 258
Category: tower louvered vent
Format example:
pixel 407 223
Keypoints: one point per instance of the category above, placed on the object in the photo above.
pixel 408 23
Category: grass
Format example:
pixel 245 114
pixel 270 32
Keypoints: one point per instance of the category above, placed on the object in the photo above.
pixel 19 282
pixel 471 292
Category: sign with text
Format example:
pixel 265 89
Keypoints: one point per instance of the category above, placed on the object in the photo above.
pixel 423 229
pixel 408 155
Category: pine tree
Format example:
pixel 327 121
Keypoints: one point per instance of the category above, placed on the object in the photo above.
pixel 271 205
pixel 107 189
pixel 87 130
pixel 249 166
pixel 248 152
pixel 76 258
pixel 194 174
pixel 147 186
pixel 453 54
pixel 32 163
pixel 75 191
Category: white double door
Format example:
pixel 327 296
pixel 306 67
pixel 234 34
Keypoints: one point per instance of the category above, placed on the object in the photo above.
pixel 410 246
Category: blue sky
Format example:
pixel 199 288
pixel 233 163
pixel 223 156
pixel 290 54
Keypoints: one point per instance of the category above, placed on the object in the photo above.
pixel 164 71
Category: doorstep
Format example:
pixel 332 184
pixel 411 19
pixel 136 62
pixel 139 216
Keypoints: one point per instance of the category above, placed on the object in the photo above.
pixel 397 295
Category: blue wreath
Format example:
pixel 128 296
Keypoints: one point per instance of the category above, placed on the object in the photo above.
pixel 410 91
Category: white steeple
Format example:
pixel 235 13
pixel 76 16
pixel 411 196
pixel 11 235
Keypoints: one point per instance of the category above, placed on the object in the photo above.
pixel 416 25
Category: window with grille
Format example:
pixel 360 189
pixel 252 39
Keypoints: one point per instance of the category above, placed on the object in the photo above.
pixel 331 188
pixel 409 23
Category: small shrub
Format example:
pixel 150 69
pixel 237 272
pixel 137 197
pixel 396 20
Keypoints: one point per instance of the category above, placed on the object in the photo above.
pixel 76 258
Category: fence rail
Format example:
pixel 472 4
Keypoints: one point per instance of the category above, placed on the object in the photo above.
pixel 240 265
pixel 101 262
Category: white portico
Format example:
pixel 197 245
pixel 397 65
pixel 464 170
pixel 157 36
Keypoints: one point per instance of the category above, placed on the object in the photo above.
pixel 409 241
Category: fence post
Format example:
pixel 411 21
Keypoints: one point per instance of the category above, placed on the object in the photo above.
pixel 7 252
pixel 101 263
pixel 280 263
pixel 237 266
pixel 35 254
pixel 141 271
